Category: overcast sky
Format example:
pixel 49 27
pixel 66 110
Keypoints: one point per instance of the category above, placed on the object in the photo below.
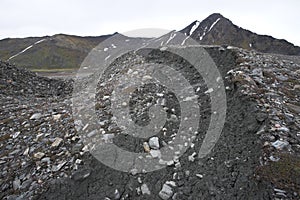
pixel 22 18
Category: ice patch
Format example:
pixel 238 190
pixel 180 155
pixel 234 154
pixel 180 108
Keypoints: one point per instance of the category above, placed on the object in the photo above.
pixel 21 52
pixel 39 41
pixel 171 37
pixel 213 24
pixel 26 49
pixel 203 34
pixel 194 27
pixel 184 40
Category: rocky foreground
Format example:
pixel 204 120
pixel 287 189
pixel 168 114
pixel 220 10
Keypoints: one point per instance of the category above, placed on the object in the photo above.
pixel 257 156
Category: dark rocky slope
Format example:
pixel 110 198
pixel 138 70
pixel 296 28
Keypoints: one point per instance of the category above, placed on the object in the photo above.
pixel 218 30
pixel 256 156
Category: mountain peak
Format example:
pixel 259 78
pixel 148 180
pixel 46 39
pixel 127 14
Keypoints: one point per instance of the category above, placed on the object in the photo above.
pixel 218 30
pixel 215 16
pixel 199 29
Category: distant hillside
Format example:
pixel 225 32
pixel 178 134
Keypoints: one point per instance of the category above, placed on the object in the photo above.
pixel 50 52
pixel 218 30
pixel 67 51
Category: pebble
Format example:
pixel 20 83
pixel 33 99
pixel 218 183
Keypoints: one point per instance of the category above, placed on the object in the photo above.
pixel 39 155
pixel 46 160
pixel 145 189
pixel 56 117
pixel 155 153
pixel 16 184
pixel 278 144
pixel 57 142
pixel 166 192
pixel 36 116
pixel 154 143
pixel 16 134
pixel 117 194
pixel 146 147
pixel 199 175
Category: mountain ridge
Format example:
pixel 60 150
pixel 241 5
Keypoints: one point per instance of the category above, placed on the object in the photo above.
pixel 62 51
pixel 218 30
pixel 49 52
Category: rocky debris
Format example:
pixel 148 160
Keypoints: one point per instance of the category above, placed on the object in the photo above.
pixel 19 81
pixel 45 158
pixel 36 132
pixel 272 81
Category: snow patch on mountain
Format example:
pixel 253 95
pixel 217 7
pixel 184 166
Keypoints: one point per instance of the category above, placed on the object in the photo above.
pixel 26 49
pixel 197 23
pixel 171 37
pixel 213 24
pixel 203 34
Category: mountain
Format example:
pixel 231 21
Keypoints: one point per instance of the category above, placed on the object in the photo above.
pixel 68 51
pixel 218 30
pixel 49 52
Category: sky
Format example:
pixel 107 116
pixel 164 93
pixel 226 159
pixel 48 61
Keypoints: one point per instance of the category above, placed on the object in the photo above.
pixel 24 18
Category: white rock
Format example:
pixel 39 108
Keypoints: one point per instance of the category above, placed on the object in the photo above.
pixel 133 171
pixel 284 129
pixel 199 175
pixel 171 162
pixel 26 152
pixel 145 189
pixel 154 143
pixel 16 134
pixel 171 183
pixel 166 192
pixel 192 157
pixel 56 117
pixel 155 153
pixel 210 90
pixel 57 142
pixel 36 116
pixel 117 194
pixel 280 144
pixel 78 161
pixel 39 155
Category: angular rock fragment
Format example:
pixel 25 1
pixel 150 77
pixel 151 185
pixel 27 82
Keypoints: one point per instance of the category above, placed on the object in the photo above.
pixel 166 192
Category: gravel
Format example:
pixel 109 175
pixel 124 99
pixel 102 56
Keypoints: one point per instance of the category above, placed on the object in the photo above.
pixel 43 157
